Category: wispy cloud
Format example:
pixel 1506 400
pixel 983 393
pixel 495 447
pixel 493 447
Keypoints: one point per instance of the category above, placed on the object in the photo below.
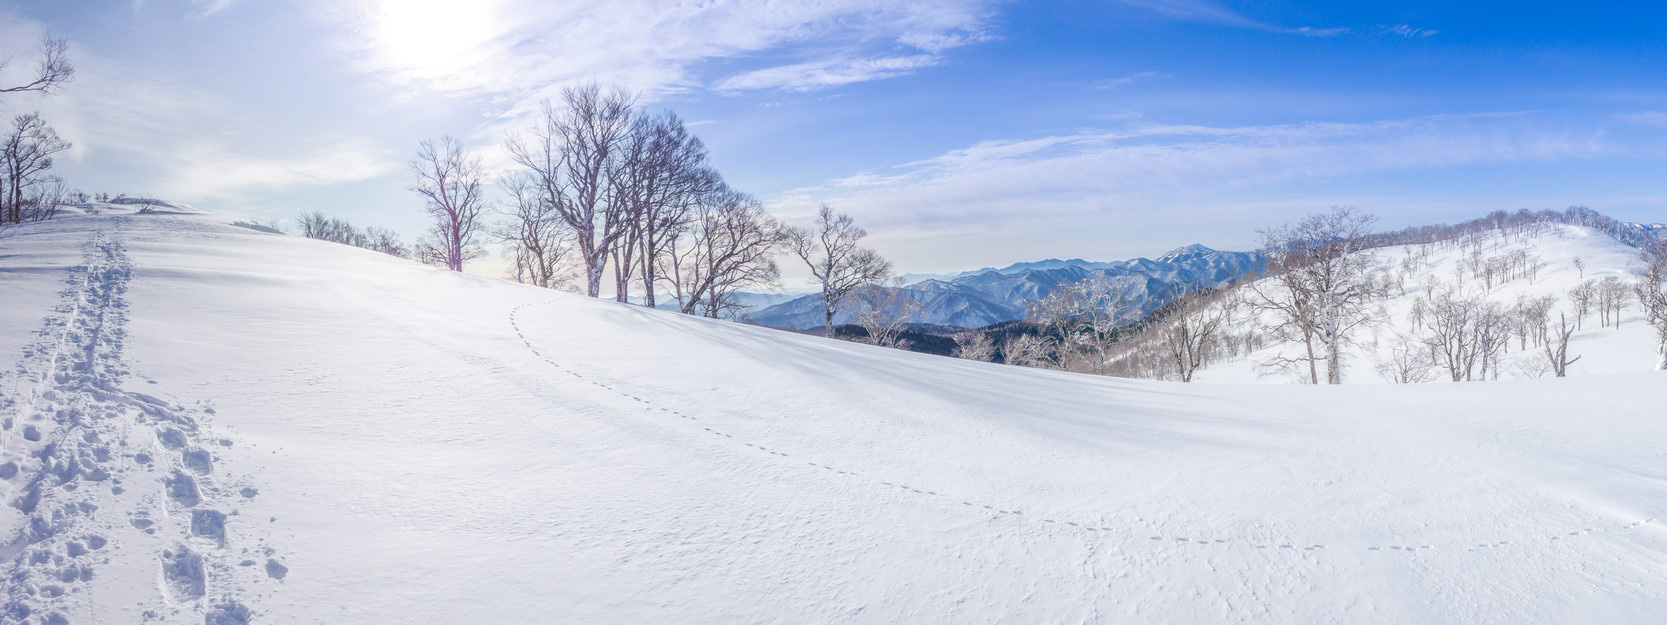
pixel 1154 165
pixel 205 8
pixel 1653 118
pixel 1410 32
pixel 517 51
pixel 1208 12
pixel 150 132
pixel 210 171
pixel 826 73
pixel 1124 81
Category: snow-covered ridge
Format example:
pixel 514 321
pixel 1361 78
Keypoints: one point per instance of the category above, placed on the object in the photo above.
pixel 421 446
pixel 1562 257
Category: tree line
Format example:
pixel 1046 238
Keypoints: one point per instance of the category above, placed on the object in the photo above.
pixel 606 194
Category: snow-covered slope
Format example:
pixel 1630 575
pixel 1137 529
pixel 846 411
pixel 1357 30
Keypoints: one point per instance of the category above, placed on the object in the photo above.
pixel 388 443
pixel 1601 349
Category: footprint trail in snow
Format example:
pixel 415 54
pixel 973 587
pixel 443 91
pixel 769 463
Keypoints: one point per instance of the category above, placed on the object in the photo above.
pixel 106 482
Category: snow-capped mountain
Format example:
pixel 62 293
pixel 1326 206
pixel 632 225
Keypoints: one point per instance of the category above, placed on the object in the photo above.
pixel 988 296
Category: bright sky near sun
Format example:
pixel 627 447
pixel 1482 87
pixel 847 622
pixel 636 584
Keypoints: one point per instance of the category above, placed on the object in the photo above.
pixel 961 133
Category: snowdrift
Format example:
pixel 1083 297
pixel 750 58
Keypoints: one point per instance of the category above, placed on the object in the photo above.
pixel 213 424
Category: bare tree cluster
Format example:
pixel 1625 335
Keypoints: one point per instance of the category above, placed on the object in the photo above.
pixel 1190 334
pixel 1090 329
pixel 1498 269
pixel 1322 287
pixel 1612 298
pixel 603 183
pixel 537 243
pixel 1652 296
pixel 1521 223
pixel 28 191
pixel 317 225
pixel 728 244
pixel 1465 334
pixel 975 346
pixel 1085 316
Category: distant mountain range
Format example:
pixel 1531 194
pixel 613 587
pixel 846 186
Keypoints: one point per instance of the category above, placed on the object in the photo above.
pixel 975 299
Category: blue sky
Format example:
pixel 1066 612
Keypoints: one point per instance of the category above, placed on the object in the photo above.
pixel 962 133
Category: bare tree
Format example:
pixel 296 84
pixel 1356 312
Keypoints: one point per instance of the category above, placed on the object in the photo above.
pixel 450 181
pixel 27 191
pixel 659 178
pixel 1189 332
pixel 385 241
pixel 1450 331
pixel 1652 295
pixel 838 263
pixel 1086 316
pixel 1582 295
pixel 975 346
pixel 53 71
pixel 1025 350
pixel 1557 347
pixel 317 225
pixel 1493 333
pixel 570 153
pixel 730 244
pixel 1409 362
pixel 536 241
pixel 884 311
pixel 1612 299
pixel 1323 284
pixel 1534 313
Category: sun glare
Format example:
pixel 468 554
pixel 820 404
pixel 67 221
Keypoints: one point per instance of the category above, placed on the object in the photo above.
pixel 431 38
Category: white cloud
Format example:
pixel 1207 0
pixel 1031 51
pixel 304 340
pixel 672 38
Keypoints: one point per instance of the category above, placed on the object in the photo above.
pixel 1209 12
pixel 1653 118
pixel 1124 81
pixel 1410 32
pixel 1147 166
pixel 826 73
pixel 210 171
pixel 141 130
pixel 518 51
pixel 206 8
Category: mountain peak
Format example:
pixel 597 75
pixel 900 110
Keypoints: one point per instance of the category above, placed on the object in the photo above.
pixel 1185 250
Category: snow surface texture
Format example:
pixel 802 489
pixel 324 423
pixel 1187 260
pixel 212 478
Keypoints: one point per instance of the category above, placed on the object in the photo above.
pixel 391 443
pixel 1630 347
pixel 86 460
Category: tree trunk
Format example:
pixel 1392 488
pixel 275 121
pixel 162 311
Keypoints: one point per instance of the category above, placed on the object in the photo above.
pixel 828 314
pixel 648 277
pixel 593 276
pixel 1313 370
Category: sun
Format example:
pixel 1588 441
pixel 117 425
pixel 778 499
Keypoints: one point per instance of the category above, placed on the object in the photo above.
pixel 431 38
